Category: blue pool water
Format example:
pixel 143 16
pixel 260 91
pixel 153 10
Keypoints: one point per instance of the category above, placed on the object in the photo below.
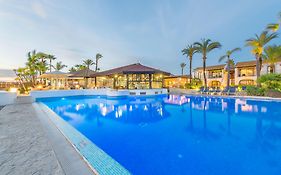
pixel 180 134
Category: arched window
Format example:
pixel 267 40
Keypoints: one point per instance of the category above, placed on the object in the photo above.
pixel 246 82
pixel 215 84
pixel 270 69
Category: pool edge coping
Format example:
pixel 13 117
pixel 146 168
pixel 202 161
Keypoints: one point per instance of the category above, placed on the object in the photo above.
pixel 52 115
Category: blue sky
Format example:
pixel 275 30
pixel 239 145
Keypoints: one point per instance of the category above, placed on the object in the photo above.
pixel 152 32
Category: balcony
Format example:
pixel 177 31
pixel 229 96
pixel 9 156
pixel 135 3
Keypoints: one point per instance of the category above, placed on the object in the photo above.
pixel 214 76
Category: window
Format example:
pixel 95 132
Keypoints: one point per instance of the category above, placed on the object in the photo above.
pixel 246 82
pixel 247 72
pixel 270 69
pixel 215 84
pixel 215 74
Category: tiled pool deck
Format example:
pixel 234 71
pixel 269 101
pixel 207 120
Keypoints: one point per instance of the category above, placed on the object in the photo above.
pixel 24 146
pixel 99 161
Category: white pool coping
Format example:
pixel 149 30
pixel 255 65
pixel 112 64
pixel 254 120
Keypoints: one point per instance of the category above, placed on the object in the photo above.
pixel 103 91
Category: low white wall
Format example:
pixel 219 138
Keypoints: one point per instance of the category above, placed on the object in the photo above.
pixel 7 98
pixel 106 91
pixel 148 91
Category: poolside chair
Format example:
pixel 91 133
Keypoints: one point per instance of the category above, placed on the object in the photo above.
pixel 232 90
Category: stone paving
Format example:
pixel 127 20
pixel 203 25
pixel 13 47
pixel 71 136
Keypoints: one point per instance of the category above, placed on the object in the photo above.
pixel 24 147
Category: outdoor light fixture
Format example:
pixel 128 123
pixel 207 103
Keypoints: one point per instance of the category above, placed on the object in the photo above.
pixel 13 90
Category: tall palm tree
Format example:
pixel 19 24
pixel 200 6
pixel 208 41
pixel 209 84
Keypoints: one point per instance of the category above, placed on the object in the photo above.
pixel 227 56
pixel 257 44
pixel 204 47
pixel 59 66
pixel 50 58
pixel 271 55
pixel 189 51
pixel 182 67
pixel 98 56
pixel 275 26
pixel 88 63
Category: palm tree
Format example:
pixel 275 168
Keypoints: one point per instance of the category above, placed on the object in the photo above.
pixel 189 51
pixel 204 48
pixel 88 63
pixel 228 62
pixel 50 58
pixel 98 56
pixel 59 66
pixel 257 44
pixel 182 67
pixel 32 66
pixel 271 55
pixel 80 67
pixel 72 69
pixel 275 26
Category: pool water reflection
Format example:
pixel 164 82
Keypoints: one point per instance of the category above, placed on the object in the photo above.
pixel 180 134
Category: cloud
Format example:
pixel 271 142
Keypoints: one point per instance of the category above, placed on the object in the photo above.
pixel 38 9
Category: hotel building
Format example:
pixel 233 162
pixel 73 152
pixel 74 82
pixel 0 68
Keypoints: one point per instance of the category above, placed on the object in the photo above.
pixel 243 73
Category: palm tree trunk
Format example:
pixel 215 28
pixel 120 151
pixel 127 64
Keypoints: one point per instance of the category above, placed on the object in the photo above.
pixel 258 69
pixel 96 64
pixel 182 71
pixel 50 65
pixel 228 74
pixel 190 69
pixel 204 73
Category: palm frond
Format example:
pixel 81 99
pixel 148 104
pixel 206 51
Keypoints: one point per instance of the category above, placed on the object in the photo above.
pixel 272 27
pixel 235 50
pixel 222 58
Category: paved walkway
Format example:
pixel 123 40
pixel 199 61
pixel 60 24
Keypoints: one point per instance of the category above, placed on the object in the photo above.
pixel 24 147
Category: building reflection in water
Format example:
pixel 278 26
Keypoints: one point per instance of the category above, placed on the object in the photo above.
pixel 207 117
pixel 265 115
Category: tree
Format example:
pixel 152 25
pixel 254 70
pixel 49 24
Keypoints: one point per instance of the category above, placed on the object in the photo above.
pixel 59 66
pixel 275 26
pixel 72 69
pixel 227 56
pixel 80 67
pixel 31 69
pixel 182 67
pixel 204 47
pixel 189 51
pixel 50 58
pixel 88 63
pixel 257 44
pixel 271 55
pixel 98 56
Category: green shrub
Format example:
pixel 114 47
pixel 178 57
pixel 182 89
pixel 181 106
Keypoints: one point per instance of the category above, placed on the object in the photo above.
pixel 195 84
pixel 270 81
pixel 255 91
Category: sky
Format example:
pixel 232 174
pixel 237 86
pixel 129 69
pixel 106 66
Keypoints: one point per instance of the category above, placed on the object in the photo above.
pixel 152 32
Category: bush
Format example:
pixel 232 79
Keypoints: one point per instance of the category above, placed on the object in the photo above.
pixel 195 84
pixel 270 81
pixel 255 91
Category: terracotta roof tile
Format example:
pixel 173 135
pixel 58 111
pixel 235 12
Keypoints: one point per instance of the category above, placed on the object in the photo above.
pixel 245 63
pixel 130 69
pixel 82 73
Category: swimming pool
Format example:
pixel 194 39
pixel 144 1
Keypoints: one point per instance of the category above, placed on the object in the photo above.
pixel 172 134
